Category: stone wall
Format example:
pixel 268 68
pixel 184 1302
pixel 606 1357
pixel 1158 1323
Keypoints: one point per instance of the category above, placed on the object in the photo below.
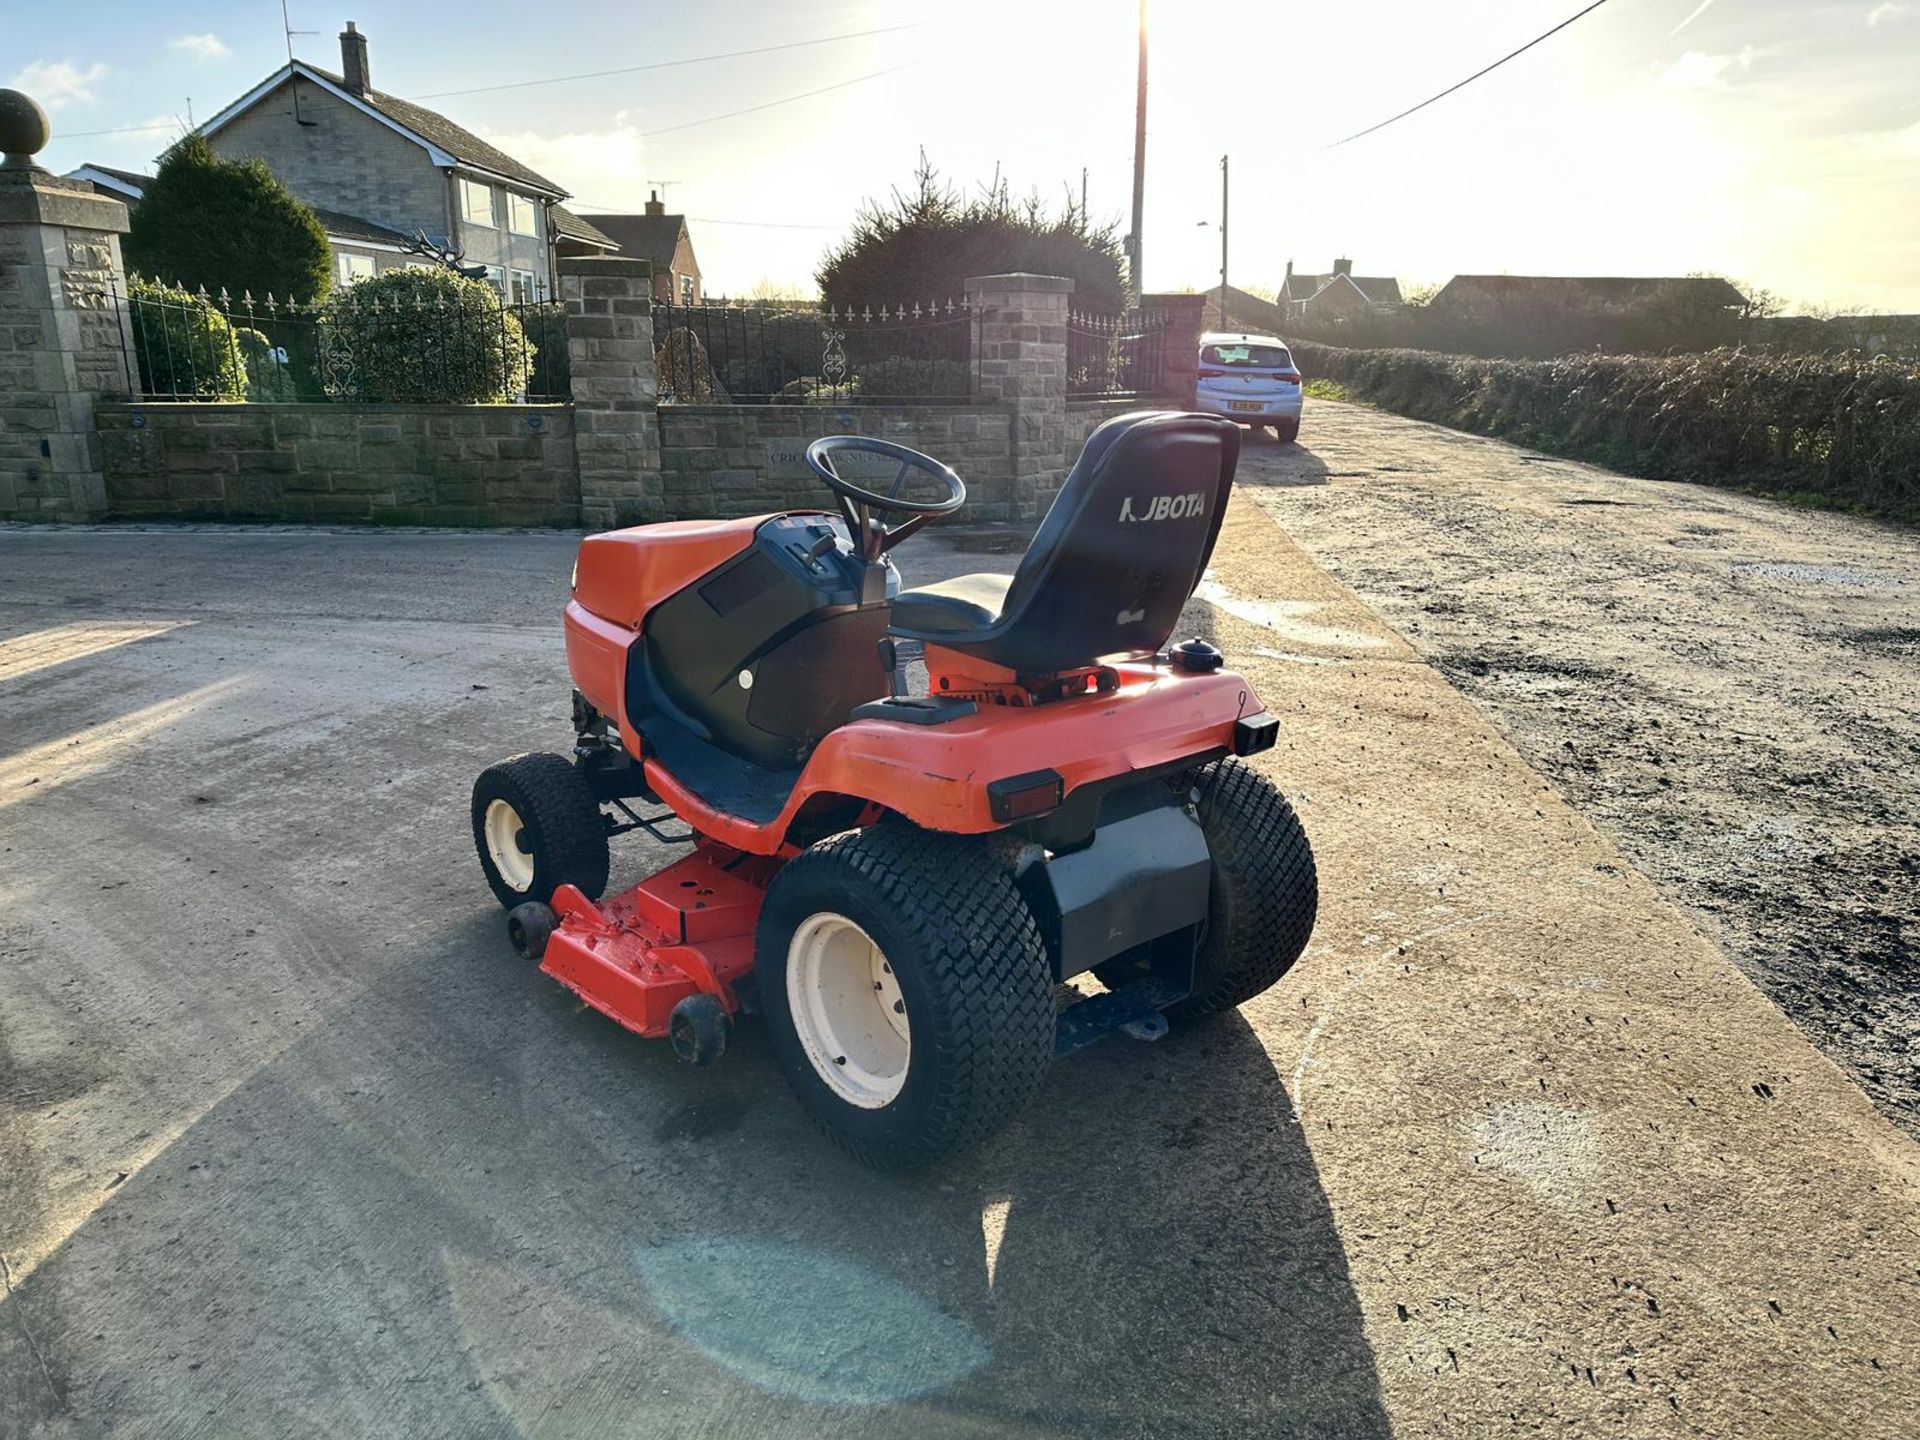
pixel 374 464
pixel 63 342
pixel 615 390
pixel 748 459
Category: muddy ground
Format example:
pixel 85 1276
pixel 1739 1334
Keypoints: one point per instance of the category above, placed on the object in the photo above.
pixel 1727 686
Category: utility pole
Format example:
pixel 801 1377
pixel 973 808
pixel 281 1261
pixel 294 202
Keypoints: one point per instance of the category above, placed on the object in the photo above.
pixel 1083 194
pixel 1134 241
pixel 1223 242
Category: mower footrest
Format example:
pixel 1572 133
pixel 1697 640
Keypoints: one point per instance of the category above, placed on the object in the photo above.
pixel 1098 1016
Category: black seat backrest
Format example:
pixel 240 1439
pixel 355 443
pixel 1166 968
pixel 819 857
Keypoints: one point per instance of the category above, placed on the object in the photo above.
pixel 1121 550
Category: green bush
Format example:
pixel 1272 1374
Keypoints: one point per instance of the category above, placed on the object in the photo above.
pixel 924 245
pixel 186 348
pixel 269 374
pixel 227 224
pixel 422 337
pixel 1842 426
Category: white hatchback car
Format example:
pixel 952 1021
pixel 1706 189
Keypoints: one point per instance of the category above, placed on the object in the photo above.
pixel 1252 379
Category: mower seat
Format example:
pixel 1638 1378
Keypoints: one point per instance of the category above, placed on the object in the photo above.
pixel 1122 548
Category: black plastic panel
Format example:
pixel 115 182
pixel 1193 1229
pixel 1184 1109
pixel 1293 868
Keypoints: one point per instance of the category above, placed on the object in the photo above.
pixel 1146 874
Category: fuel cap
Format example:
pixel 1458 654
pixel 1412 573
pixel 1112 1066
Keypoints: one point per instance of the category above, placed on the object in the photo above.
pixel 1198 656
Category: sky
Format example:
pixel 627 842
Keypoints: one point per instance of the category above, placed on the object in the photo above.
pixel 1773 141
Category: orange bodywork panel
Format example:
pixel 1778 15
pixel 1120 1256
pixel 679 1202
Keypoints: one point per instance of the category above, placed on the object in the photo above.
pixel 934 775
pixel 937 775
pixel 623 574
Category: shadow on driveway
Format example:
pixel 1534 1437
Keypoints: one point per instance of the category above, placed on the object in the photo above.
pixel 463 1205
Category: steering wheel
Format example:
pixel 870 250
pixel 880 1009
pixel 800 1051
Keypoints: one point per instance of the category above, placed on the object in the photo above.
pixel 857 503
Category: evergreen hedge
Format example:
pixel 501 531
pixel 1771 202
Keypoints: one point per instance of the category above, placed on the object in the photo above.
pixel 1840 428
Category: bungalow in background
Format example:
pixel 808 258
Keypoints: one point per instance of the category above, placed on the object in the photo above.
pixel 1562 293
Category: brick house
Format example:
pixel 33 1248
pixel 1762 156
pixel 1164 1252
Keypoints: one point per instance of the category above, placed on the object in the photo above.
pixel 1337 295
pixel 662 238
pixel 377 169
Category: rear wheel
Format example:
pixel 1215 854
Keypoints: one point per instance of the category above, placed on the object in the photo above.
pixel 907 992
pixel 1265 892
pixel 1286 431
pixel 537 827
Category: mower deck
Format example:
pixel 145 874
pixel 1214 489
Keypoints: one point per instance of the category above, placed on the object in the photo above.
pixel 685 930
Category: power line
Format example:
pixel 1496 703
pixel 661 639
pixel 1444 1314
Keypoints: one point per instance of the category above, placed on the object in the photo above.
pixel 1470 79
pixel 671 64
pixel 771 104
pixel 595 75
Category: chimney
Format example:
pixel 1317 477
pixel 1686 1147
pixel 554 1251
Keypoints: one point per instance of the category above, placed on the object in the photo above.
pixel 353 59
pixel 654 207
pixel 1343 267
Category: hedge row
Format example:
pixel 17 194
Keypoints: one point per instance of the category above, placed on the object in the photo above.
pixel 1844 428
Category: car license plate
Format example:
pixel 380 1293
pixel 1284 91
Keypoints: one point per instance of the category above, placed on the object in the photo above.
pixel 1245 405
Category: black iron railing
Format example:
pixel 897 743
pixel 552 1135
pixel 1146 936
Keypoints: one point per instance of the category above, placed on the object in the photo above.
pixel 1116 357
pixel 471 349
pixel 719 353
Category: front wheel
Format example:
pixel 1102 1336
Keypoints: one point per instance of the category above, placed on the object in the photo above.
pixel 907 992
pixel 537 827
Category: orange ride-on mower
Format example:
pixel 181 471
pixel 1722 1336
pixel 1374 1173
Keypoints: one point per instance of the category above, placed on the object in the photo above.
pixel 898 884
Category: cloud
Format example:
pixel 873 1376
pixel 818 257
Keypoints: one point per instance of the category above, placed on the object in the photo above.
pixel 57 83
pixel 604 168
pixel 205 47
pixel 1697 70
pixel 1883 14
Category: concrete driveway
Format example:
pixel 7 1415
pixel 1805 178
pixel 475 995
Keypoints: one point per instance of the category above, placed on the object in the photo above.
pixel 293 1145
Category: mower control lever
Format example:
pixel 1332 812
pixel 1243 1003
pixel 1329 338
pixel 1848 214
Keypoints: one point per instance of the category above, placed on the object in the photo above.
pixel 858 503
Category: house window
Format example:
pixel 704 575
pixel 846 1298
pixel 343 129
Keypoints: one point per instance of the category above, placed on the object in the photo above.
pixel 354 268
pixel 476 203
pixel 522 217
pixel 497 277
pixel 520 289
pixel 686 289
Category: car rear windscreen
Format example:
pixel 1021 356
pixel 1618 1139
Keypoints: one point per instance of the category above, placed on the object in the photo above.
pixel 1247 357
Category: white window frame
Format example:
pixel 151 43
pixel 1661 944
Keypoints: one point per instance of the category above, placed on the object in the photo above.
pixel 517 206
pixel 521 281
pixel 352 268
pixel 497 277
pixel 686 289
pixel 469 190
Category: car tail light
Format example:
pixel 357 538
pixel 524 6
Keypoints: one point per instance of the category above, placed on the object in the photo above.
pixel 1292 377
pixel 1211 374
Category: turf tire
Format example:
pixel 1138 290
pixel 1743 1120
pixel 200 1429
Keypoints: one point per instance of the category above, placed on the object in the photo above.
pixel 1265 890
pixel 561 821
pixel 972 971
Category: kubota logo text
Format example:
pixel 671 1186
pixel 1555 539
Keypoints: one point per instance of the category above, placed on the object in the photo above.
pixel 1164 507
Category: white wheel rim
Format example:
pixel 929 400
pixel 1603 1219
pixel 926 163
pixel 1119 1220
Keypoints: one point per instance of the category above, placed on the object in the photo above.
pixel 847 1010
pixel 503 828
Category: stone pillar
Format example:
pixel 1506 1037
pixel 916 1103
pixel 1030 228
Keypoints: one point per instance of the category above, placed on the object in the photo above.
pixel 1181 318
pixel 616 425
pixel 64 336
pixel 1020 350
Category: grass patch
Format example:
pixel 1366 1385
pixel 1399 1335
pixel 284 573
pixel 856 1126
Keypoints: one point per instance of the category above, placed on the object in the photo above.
pixel 1328 390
